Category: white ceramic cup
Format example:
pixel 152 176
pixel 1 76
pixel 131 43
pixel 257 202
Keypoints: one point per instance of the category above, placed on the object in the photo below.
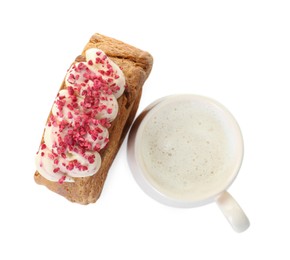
pixel 185 151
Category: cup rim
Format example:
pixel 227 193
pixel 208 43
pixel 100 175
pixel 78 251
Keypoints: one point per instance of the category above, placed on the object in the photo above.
pixel 134 157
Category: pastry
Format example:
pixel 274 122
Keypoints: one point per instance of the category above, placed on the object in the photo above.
pixel 90 117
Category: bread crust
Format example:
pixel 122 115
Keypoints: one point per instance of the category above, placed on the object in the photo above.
pixel 136 66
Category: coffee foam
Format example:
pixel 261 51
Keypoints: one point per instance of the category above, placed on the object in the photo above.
pixel 188 149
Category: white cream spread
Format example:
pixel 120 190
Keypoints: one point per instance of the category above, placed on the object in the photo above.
pixel 77 129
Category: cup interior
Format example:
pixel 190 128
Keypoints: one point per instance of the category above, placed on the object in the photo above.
pixel 184 150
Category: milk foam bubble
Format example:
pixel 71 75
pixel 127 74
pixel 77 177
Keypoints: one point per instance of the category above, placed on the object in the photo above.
pixel 188 149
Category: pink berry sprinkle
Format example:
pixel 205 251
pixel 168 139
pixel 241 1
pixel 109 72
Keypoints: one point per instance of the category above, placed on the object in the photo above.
pixel 70 90
pixel 71 79
pixel 70 166
pixel 56 161
pixel 56 170
pixel 62 179
pixel 97 147
pixel 69 115
pixel 91 159
pixel 85 168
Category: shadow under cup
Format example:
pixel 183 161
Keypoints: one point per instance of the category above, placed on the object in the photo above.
pixel 185 150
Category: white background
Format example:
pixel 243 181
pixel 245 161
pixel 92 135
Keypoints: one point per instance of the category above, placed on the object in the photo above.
pixel 237 52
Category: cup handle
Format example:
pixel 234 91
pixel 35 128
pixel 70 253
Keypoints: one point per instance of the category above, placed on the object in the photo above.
pixel 233 212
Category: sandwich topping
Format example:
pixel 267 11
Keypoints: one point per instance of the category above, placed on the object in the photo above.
pixel 77 129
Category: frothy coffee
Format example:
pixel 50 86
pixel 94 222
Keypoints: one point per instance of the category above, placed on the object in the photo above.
pixel 187 149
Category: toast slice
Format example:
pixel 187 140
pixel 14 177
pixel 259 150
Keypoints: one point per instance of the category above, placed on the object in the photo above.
pixel 136 66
